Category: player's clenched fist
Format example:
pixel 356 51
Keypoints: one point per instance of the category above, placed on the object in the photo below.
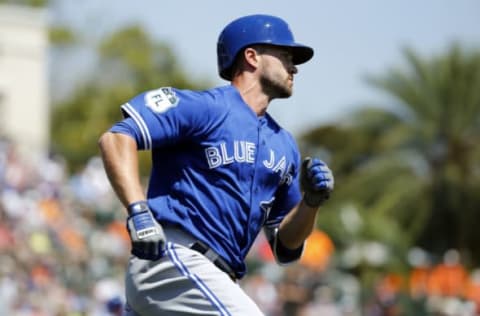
pixel 148 238
pixel 316 180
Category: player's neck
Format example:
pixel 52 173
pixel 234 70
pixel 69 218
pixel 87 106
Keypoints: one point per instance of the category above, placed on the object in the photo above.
pixel 252 94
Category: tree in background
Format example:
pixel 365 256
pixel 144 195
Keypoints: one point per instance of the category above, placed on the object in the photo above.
pixel 32 3
pixel 409 173
pixel 129 62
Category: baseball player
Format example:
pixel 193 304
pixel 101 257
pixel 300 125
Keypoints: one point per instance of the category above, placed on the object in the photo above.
pixel 222 170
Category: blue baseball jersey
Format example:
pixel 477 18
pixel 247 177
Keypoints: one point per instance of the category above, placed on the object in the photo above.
pixel 218 170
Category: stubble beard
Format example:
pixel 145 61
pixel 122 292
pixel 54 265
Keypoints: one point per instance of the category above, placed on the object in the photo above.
pixel 275 89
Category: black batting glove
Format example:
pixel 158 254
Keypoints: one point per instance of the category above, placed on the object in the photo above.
pixel 146 234
pixel 316 180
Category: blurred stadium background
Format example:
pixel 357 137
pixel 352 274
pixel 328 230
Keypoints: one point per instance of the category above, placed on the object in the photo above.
pixel 398 237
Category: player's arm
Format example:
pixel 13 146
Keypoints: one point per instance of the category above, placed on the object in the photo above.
pixel 120 159
pixel 317 183
pixel 297 226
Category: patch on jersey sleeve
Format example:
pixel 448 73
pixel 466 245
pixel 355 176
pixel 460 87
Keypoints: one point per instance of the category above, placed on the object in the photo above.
pixel 161 100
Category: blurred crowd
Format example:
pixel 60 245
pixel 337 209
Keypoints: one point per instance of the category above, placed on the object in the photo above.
pixel 64 246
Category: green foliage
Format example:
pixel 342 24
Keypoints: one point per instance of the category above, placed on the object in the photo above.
pixel 32 3
pixel 60 35
pixel 132 55
pixel 411 173
pixel 129 62
pixel 78 122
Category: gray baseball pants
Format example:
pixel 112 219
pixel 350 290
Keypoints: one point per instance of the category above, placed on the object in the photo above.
pixel 183 282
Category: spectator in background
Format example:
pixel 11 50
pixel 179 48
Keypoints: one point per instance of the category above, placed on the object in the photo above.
pixel 295 290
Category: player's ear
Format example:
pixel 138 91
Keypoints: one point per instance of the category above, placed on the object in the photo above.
pixel 247 60
pixel 251 58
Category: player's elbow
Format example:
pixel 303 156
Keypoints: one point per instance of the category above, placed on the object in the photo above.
pixel 111 142
pixel 104 140
pixel 107 143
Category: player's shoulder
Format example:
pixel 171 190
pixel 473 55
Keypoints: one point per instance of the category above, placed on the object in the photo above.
pixel 210 96
pixel 218 96
pixel 215 102
pixel 163 98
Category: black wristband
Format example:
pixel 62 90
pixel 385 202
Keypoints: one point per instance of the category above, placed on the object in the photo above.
pixel 137 207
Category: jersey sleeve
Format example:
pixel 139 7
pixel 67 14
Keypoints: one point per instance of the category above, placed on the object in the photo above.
pixel 165 116
pixel 127 127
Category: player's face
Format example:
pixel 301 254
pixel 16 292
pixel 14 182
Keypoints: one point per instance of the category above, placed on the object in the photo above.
pixel 276 72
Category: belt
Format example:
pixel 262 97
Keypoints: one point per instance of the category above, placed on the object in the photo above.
pixel 179 236
pixel 214 257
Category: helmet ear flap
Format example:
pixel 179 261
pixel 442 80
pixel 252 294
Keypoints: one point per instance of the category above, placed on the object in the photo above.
pixel 225 59
pixel 256 29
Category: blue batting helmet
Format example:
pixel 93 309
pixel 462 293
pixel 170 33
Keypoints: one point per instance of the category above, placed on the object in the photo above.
pixel 256 29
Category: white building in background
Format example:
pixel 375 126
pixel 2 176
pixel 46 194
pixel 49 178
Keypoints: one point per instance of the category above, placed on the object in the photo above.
pixel 24 99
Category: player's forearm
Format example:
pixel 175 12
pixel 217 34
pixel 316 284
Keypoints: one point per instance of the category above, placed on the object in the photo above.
pixel 120 159
pixel 297 226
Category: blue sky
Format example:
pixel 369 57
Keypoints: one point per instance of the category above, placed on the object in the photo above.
pixel 351 39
